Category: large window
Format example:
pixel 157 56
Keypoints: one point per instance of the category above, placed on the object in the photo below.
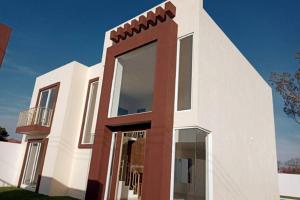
pixel 185 73
pixel 133 81
pixel 190 164
pixel 87 135
pixel 46 104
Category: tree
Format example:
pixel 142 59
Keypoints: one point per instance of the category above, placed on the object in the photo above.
pixel 288 86
pixel 3 134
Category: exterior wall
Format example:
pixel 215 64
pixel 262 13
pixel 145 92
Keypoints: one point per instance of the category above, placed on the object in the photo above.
pixel 66 167
pixel 289 185
pixel 81 158
pixel 10 163
pixel 235 104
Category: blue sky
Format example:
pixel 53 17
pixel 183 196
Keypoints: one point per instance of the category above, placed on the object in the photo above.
pixel 48 34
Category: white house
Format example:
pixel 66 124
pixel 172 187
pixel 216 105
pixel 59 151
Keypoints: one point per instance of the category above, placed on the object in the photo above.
pixel 173 111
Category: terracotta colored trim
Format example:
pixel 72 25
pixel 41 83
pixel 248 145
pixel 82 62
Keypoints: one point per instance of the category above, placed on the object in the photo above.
pixel 44 144
pixel 57 84
pixel 158 148
pixel 43 156
pixel 5 33
pixel 160 15
pixel 80 144
pixel 33 129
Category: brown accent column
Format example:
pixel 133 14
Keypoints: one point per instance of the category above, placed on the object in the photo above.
pixel 156 180
pixel 158 156
pixel 5 32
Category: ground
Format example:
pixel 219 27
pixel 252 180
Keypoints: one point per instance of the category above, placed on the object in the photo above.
pixel 12 193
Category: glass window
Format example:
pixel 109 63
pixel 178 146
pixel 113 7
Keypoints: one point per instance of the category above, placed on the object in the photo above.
pixel 190 164
pixel 133 81
pixel 185 73
pixel 46 105
pixel 89 115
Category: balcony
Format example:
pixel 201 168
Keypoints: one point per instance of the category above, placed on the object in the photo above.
pixel 35 120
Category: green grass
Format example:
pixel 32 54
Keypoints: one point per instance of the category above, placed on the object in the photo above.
pixel 12 193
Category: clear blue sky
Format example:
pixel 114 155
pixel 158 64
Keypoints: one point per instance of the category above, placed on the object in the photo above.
pixel 48 34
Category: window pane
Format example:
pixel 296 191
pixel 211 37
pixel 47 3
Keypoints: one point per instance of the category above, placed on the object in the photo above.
pixel 185 73
pixel 190 164
pixel 133 81
pixel 43 99
pixel 52 97
pixel 87 131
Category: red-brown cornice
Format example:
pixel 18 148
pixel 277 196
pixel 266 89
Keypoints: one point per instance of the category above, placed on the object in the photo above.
pixel 144 22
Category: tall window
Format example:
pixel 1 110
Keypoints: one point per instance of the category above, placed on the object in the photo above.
pixel 190 164
pixel 185 73
pixel 46 105
pixel 133 81
pixel 87 135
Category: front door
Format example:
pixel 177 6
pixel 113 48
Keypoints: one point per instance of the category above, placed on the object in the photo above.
pixel 128 166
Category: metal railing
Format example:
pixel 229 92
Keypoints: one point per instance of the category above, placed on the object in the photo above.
pixel 35 116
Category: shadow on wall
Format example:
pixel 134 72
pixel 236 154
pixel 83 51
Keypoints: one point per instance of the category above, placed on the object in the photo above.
pixel 94 189
pixel 4 183
pixel 52 187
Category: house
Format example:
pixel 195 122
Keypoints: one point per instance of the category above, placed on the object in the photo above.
pixel 173 111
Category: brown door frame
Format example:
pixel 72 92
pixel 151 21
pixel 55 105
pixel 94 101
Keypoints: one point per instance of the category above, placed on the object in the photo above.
pixel 42 155
pixel 159 138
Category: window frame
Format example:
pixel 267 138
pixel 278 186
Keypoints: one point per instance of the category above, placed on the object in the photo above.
pixel 82 145
pixel 177 72
pixel 209 161
pixel 41 90
pixel 112 90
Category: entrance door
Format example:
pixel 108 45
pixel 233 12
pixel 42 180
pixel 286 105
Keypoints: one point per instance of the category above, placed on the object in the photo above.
pixel 33 165
pixel 128 166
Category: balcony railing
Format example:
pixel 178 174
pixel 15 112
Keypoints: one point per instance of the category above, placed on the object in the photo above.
pixel 35 116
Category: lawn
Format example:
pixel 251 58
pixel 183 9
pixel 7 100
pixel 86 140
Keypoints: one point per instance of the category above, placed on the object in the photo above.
pixel 12 193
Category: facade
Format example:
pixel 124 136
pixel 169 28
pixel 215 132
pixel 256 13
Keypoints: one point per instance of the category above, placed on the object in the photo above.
pixel 5 32
pixel 173 111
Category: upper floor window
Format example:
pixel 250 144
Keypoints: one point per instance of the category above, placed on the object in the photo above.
pixel 87 136
pixel 133 81
pixel 184 92
pixel 45 107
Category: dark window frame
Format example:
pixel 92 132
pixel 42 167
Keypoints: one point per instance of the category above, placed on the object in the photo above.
pixel 80 144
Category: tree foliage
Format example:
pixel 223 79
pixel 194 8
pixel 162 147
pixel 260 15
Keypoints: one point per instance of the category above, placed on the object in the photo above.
pixel 288 86
pixel 3 134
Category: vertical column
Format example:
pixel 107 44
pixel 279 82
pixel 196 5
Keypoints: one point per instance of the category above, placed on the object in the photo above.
pixel 159 140
pixel 4 36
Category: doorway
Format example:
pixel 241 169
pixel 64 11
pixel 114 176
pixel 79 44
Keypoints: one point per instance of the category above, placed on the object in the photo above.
pixel 33 164
pixel 128 165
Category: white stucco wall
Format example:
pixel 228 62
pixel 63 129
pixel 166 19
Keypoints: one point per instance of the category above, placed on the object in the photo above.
pixel 10 163
pixel 289 185
pixel 66 166
pixel 235 104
